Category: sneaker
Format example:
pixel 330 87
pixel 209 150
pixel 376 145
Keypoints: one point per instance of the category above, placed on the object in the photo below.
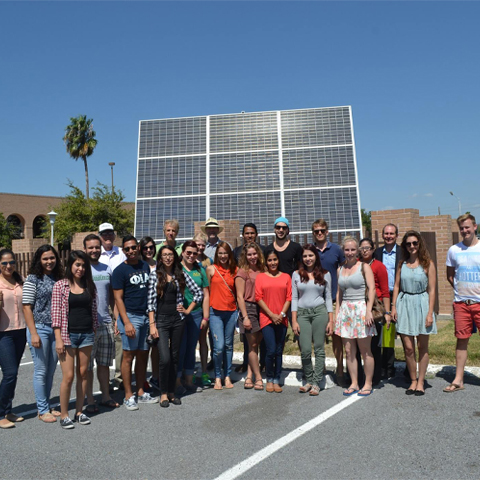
pixel 66 423
pixel 154 383
pixel 82 419
pixel 130 404
pixel 147 398
pixel 206 380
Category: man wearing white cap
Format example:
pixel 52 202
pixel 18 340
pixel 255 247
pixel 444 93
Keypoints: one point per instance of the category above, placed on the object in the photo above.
pixel 111 255
pixel 212 229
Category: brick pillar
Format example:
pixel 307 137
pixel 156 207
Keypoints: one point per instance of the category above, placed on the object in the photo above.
pixel 230 234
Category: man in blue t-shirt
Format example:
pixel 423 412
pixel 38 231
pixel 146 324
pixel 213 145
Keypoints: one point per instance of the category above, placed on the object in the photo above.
pixel 130 289
pixel 331 257
pixel 103 351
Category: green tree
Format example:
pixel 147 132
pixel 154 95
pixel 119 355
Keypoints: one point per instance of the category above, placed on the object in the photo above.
pixel 367 221
pixel 7 232
pixel 80 141
pixel 79 214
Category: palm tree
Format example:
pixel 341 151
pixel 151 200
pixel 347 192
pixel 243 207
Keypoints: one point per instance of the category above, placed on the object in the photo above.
pixel 80 141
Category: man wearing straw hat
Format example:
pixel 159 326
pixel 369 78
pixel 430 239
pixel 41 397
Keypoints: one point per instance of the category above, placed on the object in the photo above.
pixel 211 229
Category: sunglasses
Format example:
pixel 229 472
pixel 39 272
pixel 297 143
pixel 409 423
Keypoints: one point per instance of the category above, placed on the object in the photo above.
pixel 149 247
pixel 280 227
pixel 411 244
pixel 319 230
pixel 127 249
pixel 190 253
pixel 11 262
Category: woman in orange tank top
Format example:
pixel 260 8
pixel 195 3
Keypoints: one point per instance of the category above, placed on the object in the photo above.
pixel 223 311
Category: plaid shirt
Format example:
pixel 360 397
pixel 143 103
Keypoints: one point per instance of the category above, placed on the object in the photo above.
pixel 152 292
pixel 60 309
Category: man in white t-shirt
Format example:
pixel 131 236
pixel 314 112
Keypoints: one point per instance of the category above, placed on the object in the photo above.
pixel 463 273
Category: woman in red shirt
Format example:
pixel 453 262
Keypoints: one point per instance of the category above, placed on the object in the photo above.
pixel 381 286
pixel 223 311
pixel 273 293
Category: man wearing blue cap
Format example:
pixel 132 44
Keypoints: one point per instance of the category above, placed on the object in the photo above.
pixel 289 253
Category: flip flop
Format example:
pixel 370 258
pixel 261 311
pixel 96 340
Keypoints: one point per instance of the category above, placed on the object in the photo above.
pixel 455 388
pixel 110 404
pixel 362 392
pixel 92 408
pixel 248 384
pixel 258 385
pixel 349 392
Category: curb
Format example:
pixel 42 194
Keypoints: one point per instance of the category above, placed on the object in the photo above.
pixel 292 370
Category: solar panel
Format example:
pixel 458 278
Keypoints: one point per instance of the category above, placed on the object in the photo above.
pixel 250 167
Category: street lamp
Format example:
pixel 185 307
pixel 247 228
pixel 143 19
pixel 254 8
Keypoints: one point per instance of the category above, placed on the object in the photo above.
pixel 52 215
pixel 459 203
pixel 111 166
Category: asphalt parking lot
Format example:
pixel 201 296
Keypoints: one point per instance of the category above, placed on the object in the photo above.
pixel 249 435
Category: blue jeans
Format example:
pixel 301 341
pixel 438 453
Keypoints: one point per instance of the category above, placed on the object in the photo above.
pixel 12 345
pixel 274 336
pixel 45 362
pixel 191 333
pixel 222 325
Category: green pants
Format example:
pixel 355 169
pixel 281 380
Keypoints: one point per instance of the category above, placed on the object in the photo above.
pixel 313 325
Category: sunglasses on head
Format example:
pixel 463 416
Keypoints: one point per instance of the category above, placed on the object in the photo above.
pixel 127 249
pixel 11 262
pixel 412 244
pixel 320 230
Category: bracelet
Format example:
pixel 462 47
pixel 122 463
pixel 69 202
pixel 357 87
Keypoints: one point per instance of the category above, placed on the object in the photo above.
pixel 388 313
pixel 206 319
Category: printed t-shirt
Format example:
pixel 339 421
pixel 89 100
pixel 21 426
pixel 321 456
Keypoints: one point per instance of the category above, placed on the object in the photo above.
pixel 249 278
pixel 133 280
pixel 274 291
pixel 102 276
pixel 466 261
pixel 200 278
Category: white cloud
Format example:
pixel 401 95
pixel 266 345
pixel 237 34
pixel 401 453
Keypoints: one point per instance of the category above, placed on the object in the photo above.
pixel 415 195
pixel 428 195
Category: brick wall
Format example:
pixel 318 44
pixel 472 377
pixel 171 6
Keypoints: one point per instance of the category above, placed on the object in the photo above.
pixel 231 234
pixel 442 225
pixel 28 245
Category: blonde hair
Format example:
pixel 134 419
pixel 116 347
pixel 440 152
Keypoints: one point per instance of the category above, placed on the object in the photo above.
pixel 347 239
pixel 321 222
pixel 243 262
pixel 466 216
pixel 200 236
pixel 173 222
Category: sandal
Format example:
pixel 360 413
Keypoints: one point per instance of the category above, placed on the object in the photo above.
pixel 92 408
pixel 306 388
pixel 110 404
pixel 55 413
pixel 248 383
pixel 258 385
pixel 453 387
pixel 47 418
pixel 314 391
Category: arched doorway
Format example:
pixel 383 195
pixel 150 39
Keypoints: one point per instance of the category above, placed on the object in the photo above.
pixel 39 226
pixel 18 226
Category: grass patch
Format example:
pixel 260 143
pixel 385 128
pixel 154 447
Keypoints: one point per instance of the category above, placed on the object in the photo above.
pixel 441 346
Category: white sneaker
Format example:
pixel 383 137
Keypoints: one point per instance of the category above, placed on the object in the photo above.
pixel 147 398
pixel 130 404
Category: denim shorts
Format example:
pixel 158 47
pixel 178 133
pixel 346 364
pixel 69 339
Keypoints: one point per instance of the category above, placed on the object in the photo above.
pixel 81 340
pixel 142 329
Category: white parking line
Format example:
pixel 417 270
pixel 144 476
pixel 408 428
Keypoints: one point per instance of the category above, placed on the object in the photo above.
pixel 255 459
pixel 26 363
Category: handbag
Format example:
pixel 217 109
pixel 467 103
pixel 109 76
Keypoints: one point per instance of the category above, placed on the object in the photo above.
pixel 378 309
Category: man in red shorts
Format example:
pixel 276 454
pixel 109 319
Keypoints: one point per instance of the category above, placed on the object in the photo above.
pixel 463 273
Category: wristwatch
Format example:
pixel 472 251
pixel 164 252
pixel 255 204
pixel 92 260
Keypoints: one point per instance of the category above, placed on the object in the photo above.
pixel 388 313
pixel 283 314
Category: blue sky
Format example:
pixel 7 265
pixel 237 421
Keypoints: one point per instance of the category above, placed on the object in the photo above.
pixel 410 70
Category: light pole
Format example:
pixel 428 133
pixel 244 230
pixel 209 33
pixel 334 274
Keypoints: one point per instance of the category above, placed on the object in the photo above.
pixel 459 203
pixel 111 166
pixel 52 215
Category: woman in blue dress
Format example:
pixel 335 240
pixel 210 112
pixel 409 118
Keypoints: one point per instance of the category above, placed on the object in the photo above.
pixel 413 302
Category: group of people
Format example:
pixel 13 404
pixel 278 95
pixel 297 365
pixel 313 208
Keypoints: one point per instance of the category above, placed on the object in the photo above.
pixel 123 303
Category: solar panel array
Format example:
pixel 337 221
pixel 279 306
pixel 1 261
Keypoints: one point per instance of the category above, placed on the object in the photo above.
pixel 252 167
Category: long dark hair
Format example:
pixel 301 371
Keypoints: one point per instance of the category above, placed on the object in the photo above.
pixel 232 264
pixel 144 241
pixel 87 280
pixel 177 271
pixel 36 266
pixel 423 255
pixel 16 276
pixel 318 271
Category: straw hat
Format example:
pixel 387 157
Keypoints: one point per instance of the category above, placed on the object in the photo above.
pixel 211 222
